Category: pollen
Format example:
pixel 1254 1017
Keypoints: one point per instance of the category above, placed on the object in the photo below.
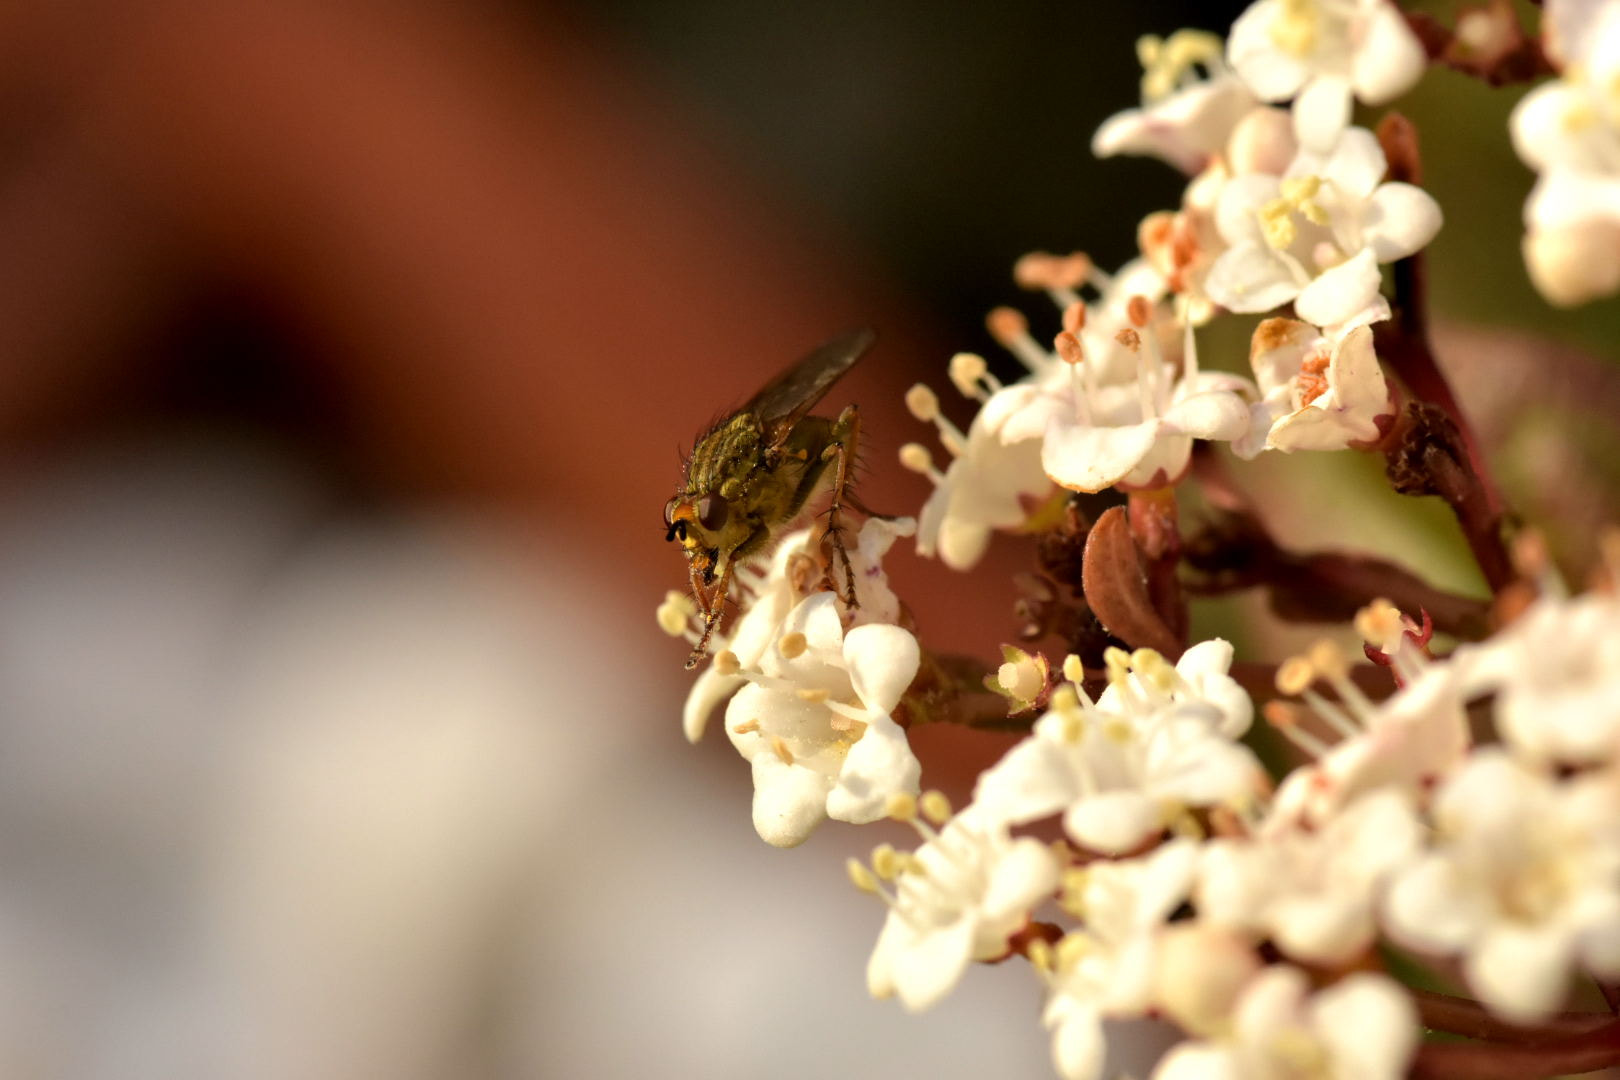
pixel 1129 338
pixel 1069 349
pixel 1277 224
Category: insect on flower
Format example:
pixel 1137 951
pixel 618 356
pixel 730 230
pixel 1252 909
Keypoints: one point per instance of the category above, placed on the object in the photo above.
pixel 753 472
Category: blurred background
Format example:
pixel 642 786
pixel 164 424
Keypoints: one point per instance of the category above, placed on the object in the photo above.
pixel 351 346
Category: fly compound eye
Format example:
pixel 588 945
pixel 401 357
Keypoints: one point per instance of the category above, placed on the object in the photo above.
pixel 711 512
pixel 669 511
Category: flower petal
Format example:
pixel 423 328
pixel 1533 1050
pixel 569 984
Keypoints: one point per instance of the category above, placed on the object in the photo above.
pixel 1369 1025
pixel 1340 293
pixel 882 661
pixel 1249 279
pixel 1113 822
pixel 1399 220
pixel 879 766
pixel 1092 458
pixel 1389 59
pixel 789 801
pixel 1520 970
pixel 1212 415
pixel 1322 112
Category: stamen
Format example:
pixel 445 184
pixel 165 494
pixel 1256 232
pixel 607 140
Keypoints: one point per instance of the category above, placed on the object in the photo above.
pixel 726 662
pixel 1331 661
pixel 1137 310
pixel 916 458
pixel 747 727
pixel 814 696
pixel 675 617
pixel 887 863
pixel 902 807
pixel 1144 375
pixel 1294 676
pixel 1072 353
pixel 923 404
pixel 792 645
pixel 935 807
pixel 780 747
pixel 1073 669
pixel 1074 317
pixel 968 371
pixel 860 877
pixel 1011 331
pixel 1285 718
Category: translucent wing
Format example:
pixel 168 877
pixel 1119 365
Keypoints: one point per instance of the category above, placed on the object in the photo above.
pixel 787 398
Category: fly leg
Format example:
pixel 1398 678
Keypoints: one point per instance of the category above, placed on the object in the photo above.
pixel 714 608
pixel 845 437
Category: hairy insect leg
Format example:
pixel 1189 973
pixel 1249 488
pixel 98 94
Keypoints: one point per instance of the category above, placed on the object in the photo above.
pixel 846 436
pixel 713 610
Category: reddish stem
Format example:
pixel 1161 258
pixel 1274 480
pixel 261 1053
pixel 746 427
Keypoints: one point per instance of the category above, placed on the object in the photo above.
pixel 1579 1053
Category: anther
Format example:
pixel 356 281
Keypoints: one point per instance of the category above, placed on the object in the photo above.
pixel 902 806
pixel 1073 669
pixel 1129 338
pixel 860 876
pixel 923 403
pixel 916 458
pixel 781 750
pixel 935 807
pixel 726 662
pixel 1138 310
pixel 747 727
pixel 1074 317
pixel 792 645
pixel 967 370
pixel 1295 675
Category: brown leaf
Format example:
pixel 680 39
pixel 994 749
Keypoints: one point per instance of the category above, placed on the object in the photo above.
pixel 1116 587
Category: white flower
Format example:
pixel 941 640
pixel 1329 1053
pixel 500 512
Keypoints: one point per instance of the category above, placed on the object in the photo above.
pixel 814 722
pixel 1319 391
pixel 1183 119
pixel 1556 675
pixel 1568 130
pixel 1312 893
pixel 1317 234
pixel 1363 1027
pixel 958 898
pixel 771 589
pixel 983 489
pixel 1408 742
pixel 1107 969
pixel 1323 52
pixel 1524 879
pixel 1139 435
pixel 1158 742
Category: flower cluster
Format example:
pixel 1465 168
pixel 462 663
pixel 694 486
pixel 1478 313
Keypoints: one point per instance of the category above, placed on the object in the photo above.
pixel 1443 805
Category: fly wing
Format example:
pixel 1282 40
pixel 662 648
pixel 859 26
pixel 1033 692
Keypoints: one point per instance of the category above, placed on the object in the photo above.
pixel 786 399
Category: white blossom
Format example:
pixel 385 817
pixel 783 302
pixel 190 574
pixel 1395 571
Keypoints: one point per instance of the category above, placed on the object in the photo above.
pixel 1363 1027
pixel 1141 435
pixel 1409 742
pixel 1161 740
pixel 1523 880
pixel 1185 120
pixel 1323 53
pixel 1107 969
pixel 814 722
pixel 1568 130
pixel 958 898
pixel 1316 235
pixel 769 589
pixel 1319 390
pixel 1311 892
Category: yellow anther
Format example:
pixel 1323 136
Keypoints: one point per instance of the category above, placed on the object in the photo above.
pixel 902 806
pixel 1070 950
pixel 1294 28
pixel 1328 659
pixel 935 807
pixel 780 748
pixel 747 727
pixel 814 696
pixel 672 617
pixel 922 403
pixel 966 370
pixel 1040 954
pixel 1073 669
pixel 860 876
pixel 726 662
pixel 792 645
pixel 916 458
pixel 1295 675
pixel 1277 223
pixel 1296 189
pixel 886 862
